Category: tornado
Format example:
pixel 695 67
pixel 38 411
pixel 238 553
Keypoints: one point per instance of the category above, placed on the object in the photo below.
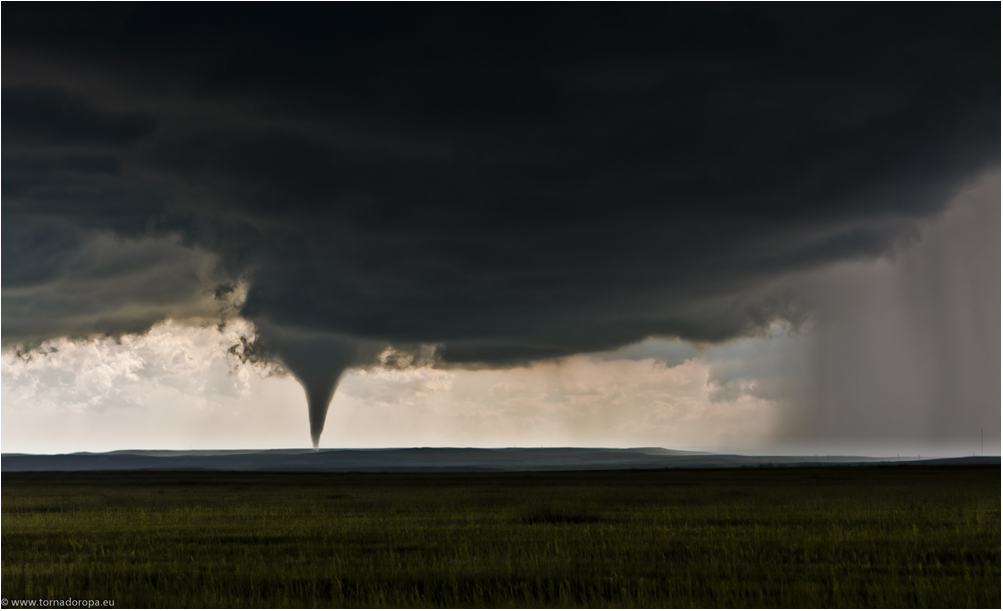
pixel 317 361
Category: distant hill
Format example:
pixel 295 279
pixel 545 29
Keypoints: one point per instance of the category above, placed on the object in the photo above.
pixel 431 460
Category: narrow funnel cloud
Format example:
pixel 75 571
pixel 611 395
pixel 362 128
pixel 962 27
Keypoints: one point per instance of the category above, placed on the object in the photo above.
pixel 317 360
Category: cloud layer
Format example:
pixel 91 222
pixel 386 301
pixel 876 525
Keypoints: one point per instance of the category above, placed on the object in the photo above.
pixel 514 185
pixel 508 184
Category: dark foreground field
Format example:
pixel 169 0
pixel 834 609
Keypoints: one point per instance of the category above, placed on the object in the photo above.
pixel 808 537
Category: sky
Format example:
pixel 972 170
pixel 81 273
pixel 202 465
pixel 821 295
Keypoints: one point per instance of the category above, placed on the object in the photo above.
pixel 750 228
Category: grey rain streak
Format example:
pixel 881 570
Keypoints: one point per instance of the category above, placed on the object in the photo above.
pixel 911 350
pixel 509 184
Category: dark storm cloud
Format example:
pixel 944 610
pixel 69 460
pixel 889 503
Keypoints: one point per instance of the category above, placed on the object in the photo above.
pixel 77 285
pixel 509 183
pixel 56 117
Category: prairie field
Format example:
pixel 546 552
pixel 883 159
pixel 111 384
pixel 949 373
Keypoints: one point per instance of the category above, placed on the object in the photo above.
pixel 787 537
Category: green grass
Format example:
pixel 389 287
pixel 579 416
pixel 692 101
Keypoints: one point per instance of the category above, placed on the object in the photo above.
pixel 810 537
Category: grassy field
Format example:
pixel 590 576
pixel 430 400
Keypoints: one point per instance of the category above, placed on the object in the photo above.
pixel 807 537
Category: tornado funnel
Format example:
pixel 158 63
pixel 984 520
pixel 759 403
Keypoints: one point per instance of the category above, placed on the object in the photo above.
pixel 317 361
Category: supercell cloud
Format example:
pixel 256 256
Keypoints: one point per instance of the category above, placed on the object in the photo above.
pixel 509 184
